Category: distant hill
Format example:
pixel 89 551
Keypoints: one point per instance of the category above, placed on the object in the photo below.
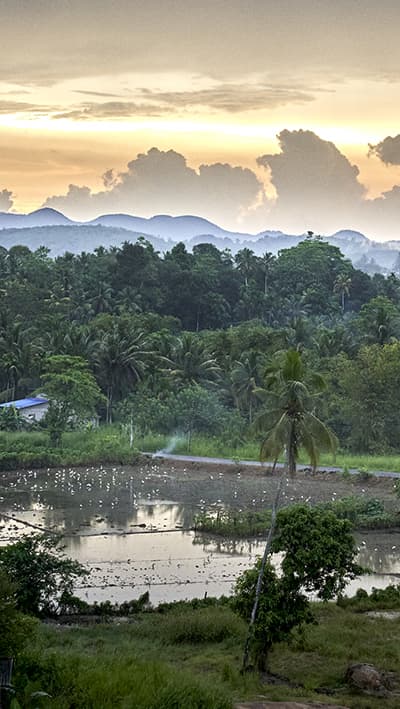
pixel 41 217
pixel 50 228
pixel 75 238
pixel 167 227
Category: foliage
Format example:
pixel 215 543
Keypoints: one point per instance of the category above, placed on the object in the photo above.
pixel 146 325
pixel 40 572
pixel 379 599
pixel 72 391
pixel 362 512
pixel 16 628
pixel 10 419
pixel 289 419
pixel 318 554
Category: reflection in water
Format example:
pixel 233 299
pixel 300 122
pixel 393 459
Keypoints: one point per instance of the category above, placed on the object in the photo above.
pixel 128 526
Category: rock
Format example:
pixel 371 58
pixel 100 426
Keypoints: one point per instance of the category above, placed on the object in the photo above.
pixel 287 705
pixel 368 679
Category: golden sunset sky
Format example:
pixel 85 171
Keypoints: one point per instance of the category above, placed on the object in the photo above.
pixel 294 91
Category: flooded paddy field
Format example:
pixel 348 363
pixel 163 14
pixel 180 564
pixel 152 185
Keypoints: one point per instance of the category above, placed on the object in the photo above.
pixel 132 525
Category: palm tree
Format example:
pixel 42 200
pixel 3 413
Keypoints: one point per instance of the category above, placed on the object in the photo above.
pixel 245 378
pixel 267 260
pixel 342 286
pixel 191 363
pixel 122 360
pixel 291 425
pixel 245 263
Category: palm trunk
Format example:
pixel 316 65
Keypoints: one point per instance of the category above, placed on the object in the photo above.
pixel 267 551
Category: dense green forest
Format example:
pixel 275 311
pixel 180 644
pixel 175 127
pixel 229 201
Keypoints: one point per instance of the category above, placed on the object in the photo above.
pixel 183 342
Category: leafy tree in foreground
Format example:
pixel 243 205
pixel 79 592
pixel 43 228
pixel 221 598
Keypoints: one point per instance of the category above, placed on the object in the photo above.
pixel 72 391
pixel 15 626
pixel 318 556
pixel 40 571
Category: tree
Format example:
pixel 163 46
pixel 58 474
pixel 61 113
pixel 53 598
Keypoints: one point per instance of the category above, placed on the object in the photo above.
pixel 15 626
pixel 289 420
pixel 379 320
pixel 291 425
pixel 246 378
pixel 342 287
pixel 191 363
pixel 40 571
pixel 245 263
pixel 318 552
pixel 123 356
pixel 72 391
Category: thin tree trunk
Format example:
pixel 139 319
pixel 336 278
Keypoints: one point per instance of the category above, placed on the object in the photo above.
pixel 267 551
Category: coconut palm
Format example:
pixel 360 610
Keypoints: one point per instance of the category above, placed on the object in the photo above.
pixel 122 360
pixel 291 425
pixel 191 363
pixel 245 378
pixel 267 260
pixel 342 287
pixel 245 263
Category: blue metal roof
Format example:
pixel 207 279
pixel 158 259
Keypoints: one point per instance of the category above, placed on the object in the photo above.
pixel 26 403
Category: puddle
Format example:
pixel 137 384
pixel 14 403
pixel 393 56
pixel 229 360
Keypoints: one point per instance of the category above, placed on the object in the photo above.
pixel 130 527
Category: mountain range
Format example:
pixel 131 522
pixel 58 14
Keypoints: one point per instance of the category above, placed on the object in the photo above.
pixel 52 229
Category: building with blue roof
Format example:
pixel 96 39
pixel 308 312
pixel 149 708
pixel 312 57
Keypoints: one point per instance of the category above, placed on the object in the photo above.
pixel 32 408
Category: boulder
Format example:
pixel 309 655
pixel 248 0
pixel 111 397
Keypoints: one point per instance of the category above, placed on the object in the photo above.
pixel 368 679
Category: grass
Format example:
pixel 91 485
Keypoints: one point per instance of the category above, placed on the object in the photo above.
pixel 82 447
pixel 110 444
pixel 364 513
pixel 187 658
pixel 214 447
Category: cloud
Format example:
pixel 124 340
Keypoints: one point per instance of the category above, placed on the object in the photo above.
pixel 217 37
pixel 110 110
pixel 96 93
pixel 232 98
pixel 317 187
pixel 7 107
pixel 388 150
pixel 6 200
pixel 162 182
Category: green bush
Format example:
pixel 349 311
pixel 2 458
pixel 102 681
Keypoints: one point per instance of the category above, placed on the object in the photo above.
pixel 379 599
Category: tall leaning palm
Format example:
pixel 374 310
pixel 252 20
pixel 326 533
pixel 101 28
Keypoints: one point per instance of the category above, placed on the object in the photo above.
pixel 290 425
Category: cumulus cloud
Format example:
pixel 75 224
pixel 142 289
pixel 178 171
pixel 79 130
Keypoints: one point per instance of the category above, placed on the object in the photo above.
pixel 317 187
pixel 6 200
pixel 388 150
pixel 162 182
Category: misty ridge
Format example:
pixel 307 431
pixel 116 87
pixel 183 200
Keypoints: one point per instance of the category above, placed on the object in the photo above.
pixel 51 229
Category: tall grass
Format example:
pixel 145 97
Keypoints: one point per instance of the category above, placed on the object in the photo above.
pixel 155 663
pixel 110 444
pixel 214 447
pixel 82 447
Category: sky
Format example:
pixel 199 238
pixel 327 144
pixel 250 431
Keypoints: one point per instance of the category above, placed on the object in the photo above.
pixel 256 114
